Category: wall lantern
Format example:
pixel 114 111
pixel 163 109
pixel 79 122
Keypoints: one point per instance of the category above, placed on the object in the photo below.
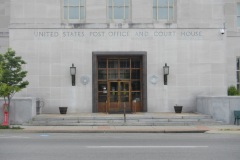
pixel 165 73
pixel 73 74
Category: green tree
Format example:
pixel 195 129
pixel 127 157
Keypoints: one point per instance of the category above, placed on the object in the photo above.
pixel 0 70
pixel 11 75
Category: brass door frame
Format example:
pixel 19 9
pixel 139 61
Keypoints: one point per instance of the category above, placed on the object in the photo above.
pixel 95 87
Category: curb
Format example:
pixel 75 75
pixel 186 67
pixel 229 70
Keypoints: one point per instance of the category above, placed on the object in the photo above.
pixel 228 129
pixel 102 131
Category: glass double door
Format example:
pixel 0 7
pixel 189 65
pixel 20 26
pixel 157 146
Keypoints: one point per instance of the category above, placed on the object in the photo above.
pixel 118 96
pixel 119 81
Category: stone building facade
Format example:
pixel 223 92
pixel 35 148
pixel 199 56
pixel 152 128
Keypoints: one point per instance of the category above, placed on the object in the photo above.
pixel 119 48
pixel 4 24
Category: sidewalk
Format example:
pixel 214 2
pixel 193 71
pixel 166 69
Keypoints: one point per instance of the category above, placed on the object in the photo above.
pixel 233 129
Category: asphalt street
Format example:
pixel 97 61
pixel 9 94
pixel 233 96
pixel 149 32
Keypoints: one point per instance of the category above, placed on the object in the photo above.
pixel 109 146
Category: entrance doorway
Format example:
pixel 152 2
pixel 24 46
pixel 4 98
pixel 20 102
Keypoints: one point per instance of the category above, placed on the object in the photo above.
pixel 119 81
pixel 118 96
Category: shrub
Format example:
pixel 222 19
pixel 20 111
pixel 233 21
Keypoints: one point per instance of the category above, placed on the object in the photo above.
pixel 4 127
pixel 8 127
pixel 232 91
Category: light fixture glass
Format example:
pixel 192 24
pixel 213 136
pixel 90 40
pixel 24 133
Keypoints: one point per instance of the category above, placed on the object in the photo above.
pixel 166 69
pixel 73 74
pixel 73 70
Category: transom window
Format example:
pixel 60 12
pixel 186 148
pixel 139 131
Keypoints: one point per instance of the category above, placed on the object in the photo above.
pixel 238 15
pixel 118 9
pixel 163 9
pixel 74 9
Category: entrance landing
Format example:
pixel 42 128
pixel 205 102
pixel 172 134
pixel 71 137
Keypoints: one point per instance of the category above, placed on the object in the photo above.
pixel 137 119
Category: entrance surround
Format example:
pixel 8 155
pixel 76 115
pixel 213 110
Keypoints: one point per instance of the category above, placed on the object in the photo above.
pixel 143 54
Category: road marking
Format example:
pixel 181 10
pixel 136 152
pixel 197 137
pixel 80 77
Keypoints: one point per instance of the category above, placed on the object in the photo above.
pixel 117 147
pixel 17 137
pixel 44 135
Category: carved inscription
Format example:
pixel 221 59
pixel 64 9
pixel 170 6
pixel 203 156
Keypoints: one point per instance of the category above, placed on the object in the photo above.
pixel 46 34
pixel 139 34
pixel 72 34
pixel 118 34
pixel 191 34
pixel 164 34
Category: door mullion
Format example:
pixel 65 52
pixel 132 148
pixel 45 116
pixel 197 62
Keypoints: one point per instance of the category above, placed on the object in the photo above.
pixel 119 95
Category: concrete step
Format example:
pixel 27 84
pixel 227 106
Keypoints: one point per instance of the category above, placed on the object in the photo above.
pixel 123 124
pixel 118 120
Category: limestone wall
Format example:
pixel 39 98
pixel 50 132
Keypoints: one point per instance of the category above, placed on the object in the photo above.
pixel 192 45
pixel 220 107
pixel 196 58
pixel 21 111
pixel 4 24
